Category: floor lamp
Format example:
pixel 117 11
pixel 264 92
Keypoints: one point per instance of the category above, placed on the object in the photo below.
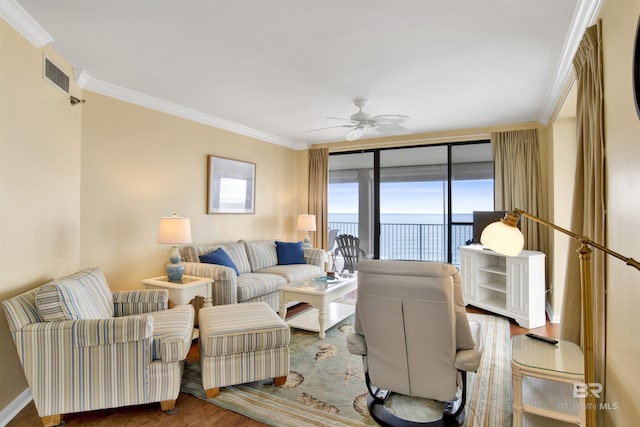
pixel 504 237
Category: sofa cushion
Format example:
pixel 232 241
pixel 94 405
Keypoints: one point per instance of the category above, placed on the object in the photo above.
pixel 294 272
pixel 289 253
pixel 252 285
pixel 219 257
pixel 238 254
pixel 82 295
pixel 262 253
pixel 191 253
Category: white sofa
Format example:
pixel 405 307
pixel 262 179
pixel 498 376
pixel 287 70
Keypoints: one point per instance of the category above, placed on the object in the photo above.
pixel 261 276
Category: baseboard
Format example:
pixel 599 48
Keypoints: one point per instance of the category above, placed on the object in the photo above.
pixel 553 318
pixel 15 407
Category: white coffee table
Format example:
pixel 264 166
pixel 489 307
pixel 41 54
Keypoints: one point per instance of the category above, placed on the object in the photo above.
pixel 326 311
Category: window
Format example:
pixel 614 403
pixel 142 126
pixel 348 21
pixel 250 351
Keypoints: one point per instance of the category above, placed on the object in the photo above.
pixel 411 203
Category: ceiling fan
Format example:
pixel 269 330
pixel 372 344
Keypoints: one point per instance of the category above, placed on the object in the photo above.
pixel 387 124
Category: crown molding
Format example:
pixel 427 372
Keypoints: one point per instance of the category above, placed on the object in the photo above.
pixel 85 81
pixel 585 15
pixel 23 23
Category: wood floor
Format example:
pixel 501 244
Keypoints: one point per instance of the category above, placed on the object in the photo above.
pixel 191 410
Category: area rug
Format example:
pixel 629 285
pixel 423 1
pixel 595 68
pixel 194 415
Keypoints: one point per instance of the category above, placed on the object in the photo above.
pixel 325 386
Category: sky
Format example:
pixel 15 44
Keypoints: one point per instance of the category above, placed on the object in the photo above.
pixel 416 197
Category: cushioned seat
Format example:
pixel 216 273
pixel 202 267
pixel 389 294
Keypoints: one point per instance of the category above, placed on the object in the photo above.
pixel 294 272
pixel 253 285
pixel 241 343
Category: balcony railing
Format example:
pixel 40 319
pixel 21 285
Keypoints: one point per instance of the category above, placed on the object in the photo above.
pixel 423 242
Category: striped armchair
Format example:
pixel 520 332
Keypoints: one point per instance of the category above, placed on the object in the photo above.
pixel 84 348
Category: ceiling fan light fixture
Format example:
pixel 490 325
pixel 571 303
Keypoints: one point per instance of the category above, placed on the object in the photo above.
pixel 354 133
pixel 359 122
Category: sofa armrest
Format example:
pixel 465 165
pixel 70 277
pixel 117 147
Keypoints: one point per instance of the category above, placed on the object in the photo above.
pixel 225 284
pixel 127 303
pixel 172 331
pixel 315 256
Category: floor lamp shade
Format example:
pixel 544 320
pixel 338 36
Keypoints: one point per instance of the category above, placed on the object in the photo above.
pixel 174 231
pixel 504 236
pixel 306 223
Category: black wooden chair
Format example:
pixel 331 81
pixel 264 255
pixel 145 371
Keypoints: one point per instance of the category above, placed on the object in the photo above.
pixel 349 248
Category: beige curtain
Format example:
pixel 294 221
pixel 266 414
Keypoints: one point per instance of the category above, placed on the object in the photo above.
pixel 589 202
pixel 318 183
pixel 516 160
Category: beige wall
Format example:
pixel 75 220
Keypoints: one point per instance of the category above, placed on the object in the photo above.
pixel 39 184
pixel 622 137
pixel 140 164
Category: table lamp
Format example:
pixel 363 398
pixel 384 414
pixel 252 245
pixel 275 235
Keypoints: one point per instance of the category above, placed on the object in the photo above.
pixel 174 231
pixel 306 223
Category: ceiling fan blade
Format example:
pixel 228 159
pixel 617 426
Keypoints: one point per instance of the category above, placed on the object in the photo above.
pixel 329 127
pixel 343 119
pixel 390 119
pixel 354 133
pixel 391 129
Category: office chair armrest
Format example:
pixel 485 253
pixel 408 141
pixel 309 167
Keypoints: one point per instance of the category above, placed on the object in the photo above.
pixel 356 344
pixel 469 360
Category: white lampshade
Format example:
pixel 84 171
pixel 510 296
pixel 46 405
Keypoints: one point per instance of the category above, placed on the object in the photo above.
pixel 502 238
pixel 174 230
pixel 306 222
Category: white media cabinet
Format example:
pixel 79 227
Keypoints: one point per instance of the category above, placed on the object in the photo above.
pixel 510 286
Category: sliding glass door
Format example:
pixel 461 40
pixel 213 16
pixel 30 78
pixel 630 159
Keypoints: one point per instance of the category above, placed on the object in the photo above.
pixel 411 203
pixel 471 190
pixel 351 189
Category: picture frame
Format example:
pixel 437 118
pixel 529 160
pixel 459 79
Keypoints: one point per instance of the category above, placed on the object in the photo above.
pixel 230 186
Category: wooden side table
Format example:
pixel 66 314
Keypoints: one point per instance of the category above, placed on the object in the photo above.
pixel 543 376
pixel 184 291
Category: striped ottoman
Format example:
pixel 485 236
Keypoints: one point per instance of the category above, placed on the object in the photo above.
pixel 242 343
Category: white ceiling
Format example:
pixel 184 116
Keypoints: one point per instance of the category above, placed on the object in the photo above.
pixel 274 69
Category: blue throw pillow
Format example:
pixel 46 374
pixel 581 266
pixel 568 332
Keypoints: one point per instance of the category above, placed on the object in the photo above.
pixel 219 257
pixel 289 253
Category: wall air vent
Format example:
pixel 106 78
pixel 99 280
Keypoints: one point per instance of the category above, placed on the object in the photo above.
pixel 56 76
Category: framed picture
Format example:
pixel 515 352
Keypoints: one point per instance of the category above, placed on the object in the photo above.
pixel 230 186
